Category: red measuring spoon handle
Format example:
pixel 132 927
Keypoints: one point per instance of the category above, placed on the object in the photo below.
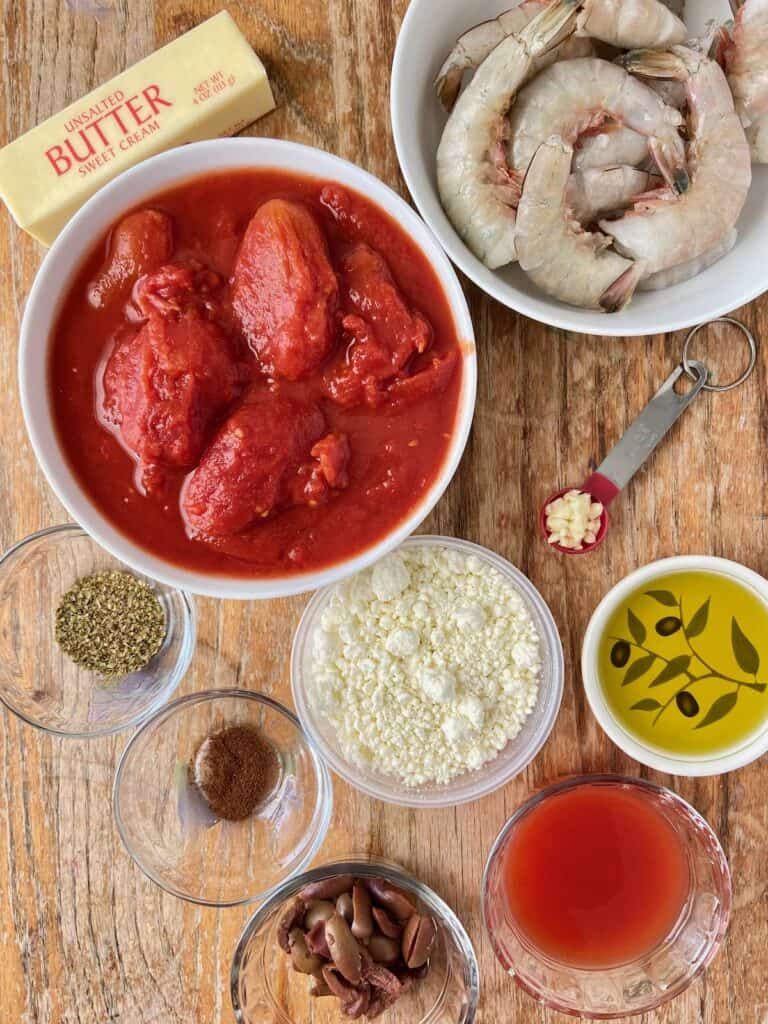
pixel 601 488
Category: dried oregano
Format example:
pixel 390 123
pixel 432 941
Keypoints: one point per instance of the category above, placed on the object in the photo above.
pixel 111 623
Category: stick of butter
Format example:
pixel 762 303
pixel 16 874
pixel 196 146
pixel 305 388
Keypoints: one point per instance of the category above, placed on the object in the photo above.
pixel 207 83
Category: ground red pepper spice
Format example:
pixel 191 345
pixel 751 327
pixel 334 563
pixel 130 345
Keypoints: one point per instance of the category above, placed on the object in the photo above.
pixel 235 769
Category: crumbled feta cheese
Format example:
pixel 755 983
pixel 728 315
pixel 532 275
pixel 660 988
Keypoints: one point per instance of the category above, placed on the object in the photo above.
pixel 471 617
pixel 426 665
pixel 438 684
pixel 473 709
pixel 456 729
pixel 390 577
pixel 402 642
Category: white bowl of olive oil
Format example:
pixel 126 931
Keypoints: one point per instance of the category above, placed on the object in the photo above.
pixel 675 665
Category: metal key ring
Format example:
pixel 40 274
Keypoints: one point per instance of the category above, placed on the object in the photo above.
pixel 751 342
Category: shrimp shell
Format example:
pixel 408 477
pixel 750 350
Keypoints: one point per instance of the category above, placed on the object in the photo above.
pixel 631 24
pixel 691 268
pixel 746 60
pixel 663 230
pixel 476 43
pixel 613 144
pixel 572 96
pixel 565 261
pixel 477 191
pixel 602 190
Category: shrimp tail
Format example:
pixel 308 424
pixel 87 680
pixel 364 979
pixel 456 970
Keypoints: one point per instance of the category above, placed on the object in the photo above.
pixel 721 43
pixel 663 64
pixel 655 64
pixel 550 27
pixel 671 164
pixel 619 294
pixel 466 54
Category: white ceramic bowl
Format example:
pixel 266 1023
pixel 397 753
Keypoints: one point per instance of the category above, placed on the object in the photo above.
pixel 729 760
pixel 509 762
pixel 429 30
pixel 62 263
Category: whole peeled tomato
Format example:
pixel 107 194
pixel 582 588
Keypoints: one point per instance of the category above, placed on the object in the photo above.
pixel 285 294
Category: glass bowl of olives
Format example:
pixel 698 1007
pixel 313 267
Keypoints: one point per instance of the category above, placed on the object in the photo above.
pixel 355 939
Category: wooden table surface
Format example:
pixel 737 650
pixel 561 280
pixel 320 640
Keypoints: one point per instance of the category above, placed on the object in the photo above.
pixel 85 938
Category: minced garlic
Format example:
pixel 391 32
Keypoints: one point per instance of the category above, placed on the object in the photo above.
pixel 573 520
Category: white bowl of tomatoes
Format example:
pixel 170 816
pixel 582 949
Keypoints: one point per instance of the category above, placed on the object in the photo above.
pixel 247 369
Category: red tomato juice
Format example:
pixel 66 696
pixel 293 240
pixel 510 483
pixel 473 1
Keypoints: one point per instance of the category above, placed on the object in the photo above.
pixel 595 876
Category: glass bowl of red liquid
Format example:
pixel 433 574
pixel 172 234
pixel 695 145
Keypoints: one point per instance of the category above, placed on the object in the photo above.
pixel 171 832
pixel 44 687
pixel 265 988
pixel 606 896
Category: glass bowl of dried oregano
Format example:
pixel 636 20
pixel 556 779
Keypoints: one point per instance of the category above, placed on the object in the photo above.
pixel 87 646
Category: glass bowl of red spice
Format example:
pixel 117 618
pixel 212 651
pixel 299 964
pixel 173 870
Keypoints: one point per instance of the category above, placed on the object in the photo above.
pixel 87 646
pixel 220 797
pixel 606 896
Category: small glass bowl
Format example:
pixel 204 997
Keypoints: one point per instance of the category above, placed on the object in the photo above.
pixel 264 986
pixel 38 682
pixel 171 834
pixel 643 984
pixel 510 761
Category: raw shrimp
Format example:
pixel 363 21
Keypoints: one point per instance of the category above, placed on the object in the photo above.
pixel 565 261
pixel 476 189
pixel 600 190
pixel 746 59
pixel 691 268
pixel 630 24
pixel 473 47
pixel 744 52
pixel 573 96
pixel 664 230
pixel 613 144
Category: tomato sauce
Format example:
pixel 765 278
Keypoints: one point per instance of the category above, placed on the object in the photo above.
pixel 595 876
pixel 396 449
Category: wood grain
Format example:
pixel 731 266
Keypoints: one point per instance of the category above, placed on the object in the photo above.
pixel 84 937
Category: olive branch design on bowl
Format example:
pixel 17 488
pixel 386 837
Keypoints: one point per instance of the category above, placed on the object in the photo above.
pixel 690 667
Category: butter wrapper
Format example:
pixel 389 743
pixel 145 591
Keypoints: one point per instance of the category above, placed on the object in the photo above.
pixel 205 84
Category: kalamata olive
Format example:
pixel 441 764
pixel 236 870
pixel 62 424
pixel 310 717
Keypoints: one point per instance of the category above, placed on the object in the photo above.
pixel 346 953
pixel 345 907
pixel 386 925
pixel 362 920
pixel 327 888
pixel 320 910
pixel 391 898
pixel 620 653
pixel 316 941
pixel 384 950
pixel 290 920
pixel 668 626
pixel 303 961
pixel 418 939
pixel 687 704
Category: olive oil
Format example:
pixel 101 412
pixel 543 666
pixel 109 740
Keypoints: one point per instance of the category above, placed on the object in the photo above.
pixel 683 663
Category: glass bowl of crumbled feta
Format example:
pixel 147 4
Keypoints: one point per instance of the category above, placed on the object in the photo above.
pixel 431 678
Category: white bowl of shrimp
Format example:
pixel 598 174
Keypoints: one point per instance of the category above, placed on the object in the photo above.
pixel 524 168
